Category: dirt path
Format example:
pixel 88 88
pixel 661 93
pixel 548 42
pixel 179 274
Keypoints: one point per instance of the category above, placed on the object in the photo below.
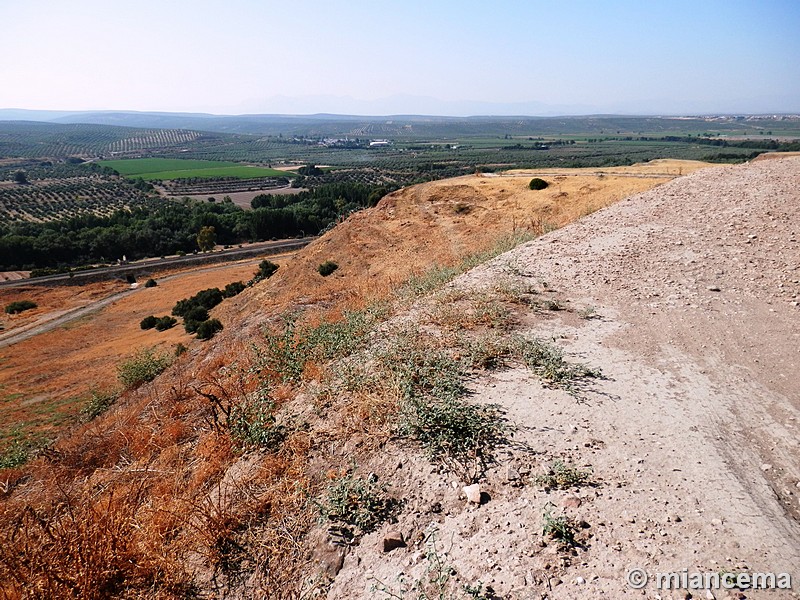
pixel 60 318
pixel 692 436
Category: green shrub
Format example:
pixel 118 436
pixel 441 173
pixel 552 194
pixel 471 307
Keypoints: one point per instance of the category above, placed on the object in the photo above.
pixel 165 323
pixel 252 424
pixel 193 318
pixel 207 299
pixel 98 403
pixel 148 322
pixel 537 184
pixel 150 283
pixel 327 268
pixel 359 503
pixel 232 289
pixel 19 306
pixel 142 367
pixel 180 349
pixel 207 329
pixel 266 269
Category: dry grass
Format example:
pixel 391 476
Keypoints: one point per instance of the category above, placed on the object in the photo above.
pixel 154 498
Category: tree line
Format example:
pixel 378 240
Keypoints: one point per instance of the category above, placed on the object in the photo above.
pixel 160 228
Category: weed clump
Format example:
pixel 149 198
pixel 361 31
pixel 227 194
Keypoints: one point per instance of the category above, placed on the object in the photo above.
pixel 327 268
pixel 99 402
pixel 252 424
pixel 356 505
pixel 560 528
pixel 548 362
pixel 433 411
pixel 144 366
pixel 561 476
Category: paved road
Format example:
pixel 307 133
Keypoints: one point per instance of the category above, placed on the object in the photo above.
pixel 160 264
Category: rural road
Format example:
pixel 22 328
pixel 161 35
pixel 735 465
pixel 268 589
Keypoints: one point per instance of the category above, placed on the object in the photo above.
pixel 59 319
pixel 150 265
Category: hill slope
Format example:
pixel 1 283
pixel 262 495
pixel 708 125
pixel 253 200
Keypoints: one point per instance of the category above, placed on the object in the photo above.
pixel 691 435
pixel 211 477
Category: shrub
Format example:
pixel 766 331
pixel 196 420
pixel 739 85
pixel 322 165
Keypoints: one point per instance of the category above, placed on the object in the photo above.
pixel 150 283
pixel 165 323
pixel 207 329
pixel 361 504
pixel 148 322
pixel 266 269
pixel 537 184
pixel 252 424
pixel 142 367
pixel 98 403
pixel 19 306
pixel 207 299
pixel 232 289
pixel 180 349
pixel 327 268
pixel 193 318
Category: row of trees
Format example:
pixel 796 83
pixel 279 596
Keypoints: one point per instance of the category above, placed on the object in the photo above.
pixel 163 228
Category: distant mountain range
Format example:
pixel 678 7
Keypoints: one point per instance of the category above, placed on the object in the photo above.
pixel 332 125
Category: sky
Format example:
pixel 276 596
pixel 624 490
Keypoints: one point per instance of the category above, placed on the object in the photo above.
pixel 377 57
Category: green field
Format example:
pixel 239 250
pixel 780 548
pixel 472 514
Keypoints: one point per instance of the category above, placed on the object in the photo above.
pixel 177 168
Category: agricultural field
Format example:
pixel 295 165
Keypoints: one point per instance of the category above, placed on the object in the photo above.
pixel 155 169
pixel 67 198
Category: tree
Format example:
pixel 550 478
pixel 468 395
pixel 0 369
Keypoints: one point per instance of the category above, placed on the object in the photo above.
pixel 20 177
pixel 207 238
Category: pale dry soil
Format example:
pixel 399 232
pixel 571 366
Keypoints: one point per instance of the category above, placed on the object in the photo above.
pixel 692 435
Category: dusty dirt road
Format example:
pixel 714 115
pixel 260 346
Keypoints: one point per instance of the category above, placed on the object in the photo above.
pixel 692 436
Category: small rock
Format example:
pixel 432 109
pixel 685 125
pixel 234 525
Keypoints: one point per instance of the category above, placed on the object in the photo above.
pixel 714 288
pixel 571 502
pixel 393 539
pixel 716 522
pixel 579 581
pixel 766 467
pixel 512 474
pixel 473 493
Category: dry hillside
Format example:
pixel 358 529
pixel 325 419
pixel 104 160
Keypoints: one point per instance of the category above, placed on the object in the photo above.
pixel 620 391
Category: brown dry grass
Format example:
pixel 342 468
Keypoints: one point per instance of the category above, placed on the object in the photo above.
pixel 45 380
pixel 152 499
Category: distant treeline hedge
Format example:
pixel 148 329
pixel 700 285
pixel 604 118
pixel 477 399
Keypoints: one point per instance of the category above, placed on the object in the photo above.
pixel 162 228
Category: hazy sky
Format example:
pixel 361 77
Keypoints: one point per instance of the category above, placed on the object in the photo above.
pixel 406 56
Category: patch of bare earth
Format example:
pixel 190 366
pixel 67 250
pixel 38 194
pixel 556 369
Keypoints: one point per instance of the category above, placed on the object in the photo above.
pixel 686 297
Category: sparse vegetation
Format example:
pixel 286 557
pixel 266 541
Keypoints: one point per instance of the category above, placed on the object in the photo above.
pixel 356 504
pixel 327 268
pixel 19 306
pixel 562 476
pixel 150 283
pixel 252 424
pixel 560 528
pixel 548 362
pixel 98 403
pixel 144 366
